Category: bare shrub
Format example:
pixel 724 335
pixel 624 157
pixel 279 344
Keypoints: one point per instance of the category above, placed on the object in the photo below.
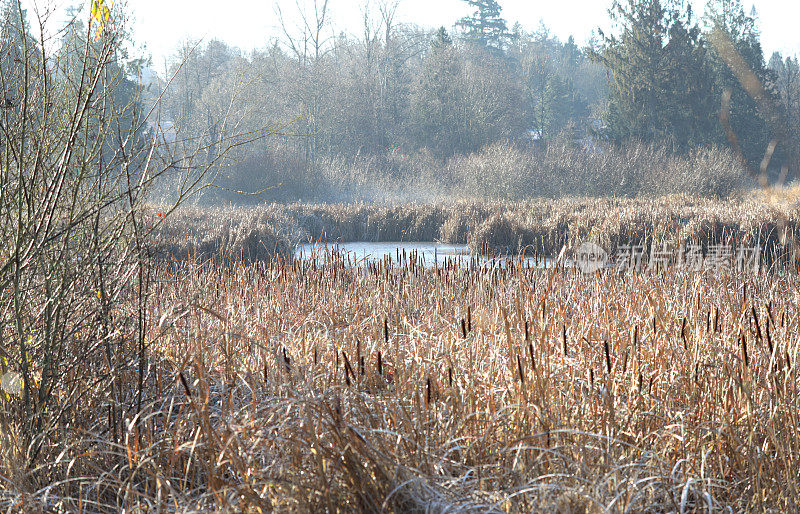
pixel 506 171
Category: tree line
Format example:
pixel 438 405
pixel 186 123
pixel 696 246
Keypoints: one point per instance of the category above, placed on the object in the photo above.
pixel 661 75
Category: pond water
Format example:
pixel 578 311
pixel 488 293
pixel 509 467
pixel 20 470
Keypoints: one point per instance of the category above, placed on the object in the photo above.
pixel 428 254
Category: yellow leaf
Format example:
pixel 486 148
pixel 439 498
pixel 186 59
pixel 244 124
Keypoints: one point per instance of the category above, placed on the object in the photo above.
pixel 101 12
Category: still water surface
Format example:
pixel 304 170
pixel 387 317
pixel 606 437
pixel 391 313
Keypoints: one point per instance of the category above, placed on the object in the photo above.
pixel 429 254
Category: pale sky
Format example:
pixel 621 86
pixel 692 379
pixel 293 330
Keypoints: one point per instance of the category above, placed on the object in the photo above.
pixel 251 24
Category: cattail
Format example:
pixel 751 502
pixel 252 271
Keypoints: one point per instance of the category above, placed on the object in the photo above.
pixel 380 364
pixel 185 384
pixel 769 338
pixel 519 369
pixel 533 360
pixel 469 319
pixel 463 329
pixel 683 334
pixel 112 422
pixel 758 327
pixel 450 376
pixel 287 362
pixel 385 331
pixel 564 338
pixel 347 369
pixel 745 358
pixel 608 356
pixel 428 392
pixel 769 313
pixel 359 358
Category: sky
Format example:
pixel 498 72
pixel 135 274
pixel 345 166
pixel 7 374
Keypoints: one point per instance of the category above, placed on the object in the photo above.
pixel 161 25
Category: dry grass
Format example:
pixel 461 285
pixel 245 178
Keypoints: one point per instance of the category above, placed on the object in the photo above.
pixel 298 387
pixel 542 226
pixel 499 172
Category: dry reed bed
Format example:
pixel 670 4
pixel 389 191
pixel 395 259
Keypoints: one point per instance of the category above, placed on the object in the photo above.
pixel 302 387
pixel 542 226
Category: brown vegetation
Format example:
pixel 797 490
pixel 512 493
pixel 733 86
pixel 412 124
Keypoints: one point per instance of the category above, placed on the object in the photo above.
pixel 499 172
pixel 542 226
pixel 301 387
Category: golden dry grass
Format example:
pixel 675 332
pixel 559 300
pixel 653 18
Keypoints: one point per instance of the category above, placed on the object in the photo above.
pixel 302 387
pixel 543 226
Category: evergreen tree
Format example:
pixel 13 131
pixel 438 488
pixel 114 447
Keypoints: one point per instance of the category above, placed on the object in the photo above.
pixel 124 94
pixel 486 27
pixel 442 39
pixel 752 131
pixel 547 73
pixel 436 103
pixel 787 83
pixel 691 109
pixel 16 46
pixel 658 87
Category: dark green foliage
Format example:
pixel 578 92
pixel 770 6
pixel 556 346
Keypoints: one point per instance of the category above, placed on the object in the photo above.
pixel 486 26
pixel 750 126
pixel 666 78
pixel 787 83
pixel 659 88
pixel 548 72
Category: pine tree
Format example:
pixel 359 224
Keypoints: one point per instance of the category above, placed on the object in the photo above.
pixel 486 27
pixel 658 87
pixel 691 109
pixel 787 83
pixel 16 46
pixel 437 110
pixel 633 60
pixel 546 71
pixel 752 131
pixel 441 39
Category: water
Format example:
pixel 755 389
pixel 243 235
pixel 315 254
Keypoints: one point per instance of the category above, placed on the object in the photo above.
pixel 429 254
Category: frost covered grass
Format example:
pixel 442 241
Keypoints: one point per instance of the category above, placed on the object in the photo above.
pixel 305 387
pixel 541 226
